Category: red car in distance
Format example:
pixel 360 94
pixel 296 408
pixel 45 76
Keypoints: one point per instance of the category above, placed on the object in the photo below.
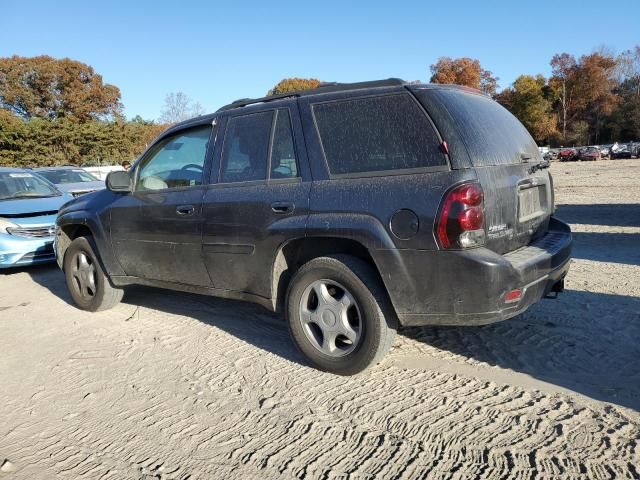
pixel 567 154
pixel 589 153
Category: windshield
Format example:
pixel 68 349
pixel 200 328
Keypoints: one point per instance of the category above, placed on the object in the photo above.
pixel 24 185
pixel 67 176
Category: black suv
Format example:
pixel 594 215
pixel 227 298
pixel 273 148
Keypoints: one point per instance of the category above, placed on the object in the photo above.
pixel 351 207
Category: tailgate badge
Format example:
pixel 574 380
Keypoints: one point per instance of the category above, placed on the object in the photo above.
pixel 499 230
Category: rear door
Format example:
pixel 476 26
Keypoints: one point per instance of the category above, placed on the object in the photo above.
pixel 518 195
pixel 260 198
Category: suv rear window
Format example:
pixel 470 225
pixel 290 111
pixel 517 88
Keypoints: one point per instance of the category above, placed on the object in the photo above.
pixel 491 134
pixel 374 134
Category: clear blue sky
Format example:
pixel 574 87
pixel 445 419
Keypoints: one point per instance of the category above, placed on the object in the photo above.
pixel 217 52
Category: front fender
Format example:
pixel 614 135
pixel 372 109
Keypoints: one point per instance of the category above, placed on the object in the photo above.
pixel 67 224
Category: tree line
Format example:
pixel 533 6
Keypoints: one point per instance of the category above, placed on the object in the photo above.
pixel 593 99
pixel 44 142
pixel 59 111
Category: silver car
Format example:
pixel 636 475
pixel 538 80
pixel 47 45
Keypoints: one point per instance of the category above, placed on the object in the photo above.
pixel 73 180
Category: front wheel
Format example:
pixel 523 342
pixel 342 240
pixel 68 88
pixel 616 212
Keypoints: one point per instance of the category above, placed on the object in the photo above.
pixel 339 315
pixel 86 281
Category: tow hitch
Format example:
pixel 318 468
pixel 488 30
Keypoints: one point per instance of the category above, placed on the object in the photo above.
pixel 557 288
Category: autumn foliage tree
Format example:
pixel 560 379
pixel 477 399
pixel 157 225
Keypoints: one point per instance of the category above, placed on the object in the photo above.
pixel 294 84
pixel 595 89
pixel 527 99
pixel 562 83
pixel 464 71
pixel 55 112
pixel 624 121
pixel 45 87
pixel 584 94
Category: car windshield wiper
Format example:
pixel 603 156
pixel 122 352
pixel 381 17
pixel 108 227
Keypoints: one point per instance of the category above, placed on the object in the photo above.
pixel 18 195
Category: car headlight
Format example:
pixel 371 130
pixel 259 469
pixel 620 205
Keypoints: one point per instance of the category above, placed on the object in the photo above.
pixel 4 224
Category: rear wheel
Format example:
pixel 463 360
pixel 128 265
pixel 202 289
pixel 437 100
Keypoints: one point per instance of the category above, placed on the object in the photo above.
pixel 339 315
pixel 86 281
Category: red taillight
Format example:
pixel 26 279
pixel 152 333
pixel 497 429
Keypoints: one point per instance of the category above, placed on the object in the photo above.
pixel 512 296
pixel 471 218
pixel 461 220
pixel 470 194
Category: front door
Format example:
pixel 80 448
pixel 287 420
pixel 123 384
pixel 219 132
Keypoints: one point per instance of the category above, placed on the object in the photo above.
pixel 260 199
pixel 157 229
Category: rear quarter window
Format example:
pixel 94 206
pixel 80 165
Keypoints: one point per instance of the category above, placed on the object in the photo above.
pixel 491 134
pixel 376 134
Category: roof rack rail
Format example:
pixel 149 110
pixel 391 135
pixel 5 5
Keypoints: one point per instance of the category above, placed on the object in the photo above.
pixel 335 86
pixel 322 88
pixel 243 102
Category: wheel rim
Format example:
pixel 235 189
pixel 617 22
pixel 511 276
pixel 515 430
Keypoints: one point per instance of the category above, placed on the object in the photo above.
pixel 83 273
pixel 331 318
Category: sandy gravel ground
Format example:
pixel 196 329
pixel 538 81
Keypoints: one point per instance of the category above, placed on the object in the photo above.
pixel 169 385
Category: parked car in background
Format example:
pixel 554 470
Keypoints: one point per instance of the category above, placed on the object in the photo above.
pixel 567 154
pixel 605 151
pixel 543 151
pixel 101 172
pixel 552 154
pixel 620 151
pixel 589 153
pixel 28 208
pixel 73 180
pixel 621 154
pixel 351 207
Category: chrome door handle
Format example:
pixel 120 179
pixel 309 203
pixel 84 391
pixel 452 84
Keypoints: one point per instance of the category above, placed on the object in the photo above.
pixel 282 207
pixel 185 210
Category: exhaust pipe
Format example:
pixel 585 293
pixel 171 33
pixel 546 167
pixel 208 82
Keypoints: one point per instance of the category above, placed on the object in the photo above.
pixel 556 288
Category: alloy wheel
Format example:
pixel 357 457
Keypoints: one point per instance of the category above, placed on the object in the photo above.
pixel 83 272
pixel 331 318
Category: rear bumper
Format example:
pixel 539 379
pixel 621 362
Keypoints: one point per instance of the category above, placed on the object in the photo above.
pixel 16 251
pixel 469 287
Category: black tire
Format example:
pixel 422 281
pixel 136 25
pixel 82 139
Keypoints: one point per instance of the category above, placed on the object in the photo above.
pixel 376 317
pixel 101 295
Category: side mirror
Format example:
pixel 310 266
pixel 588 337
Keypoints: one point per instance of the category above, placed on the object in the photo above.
pixel 119 181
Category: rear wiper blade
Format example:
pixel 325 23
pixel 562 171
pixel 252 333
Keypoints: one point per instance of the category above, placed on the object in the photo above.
pixel 539 166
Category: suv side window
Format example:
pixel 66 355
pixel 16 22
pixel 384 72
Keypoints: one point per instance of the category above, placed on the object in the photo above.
pixel 176 161
pixel 375 134
pixel 246 148
pixel 283 154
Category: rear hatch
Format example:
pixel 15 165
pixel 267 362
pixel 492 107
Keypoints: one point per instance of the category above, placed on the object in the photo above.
pixel 484 136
